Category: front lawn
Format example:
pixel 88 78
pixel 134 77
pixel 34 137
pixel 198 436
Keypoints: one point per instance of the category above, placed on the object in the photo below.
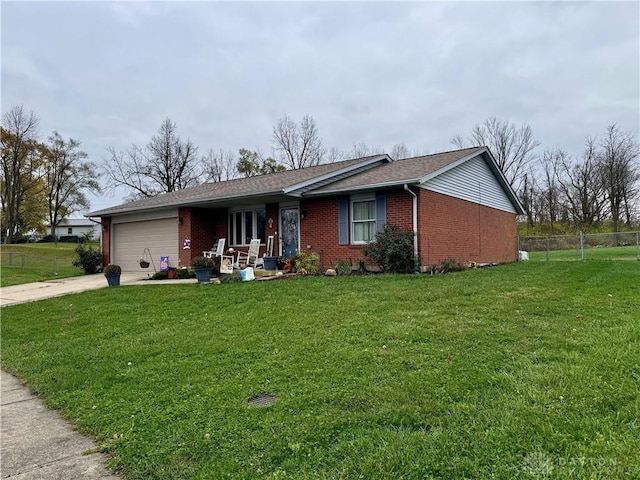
pixel 37 262
pixel 529 370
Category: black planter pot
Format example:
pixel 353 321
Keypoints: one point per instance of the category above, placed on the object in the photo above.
pixel 270 263
pixel 113 279
pixel 203 275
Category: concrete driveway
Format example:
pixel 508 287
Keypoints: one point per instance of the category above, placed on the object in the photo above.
pixel 30 292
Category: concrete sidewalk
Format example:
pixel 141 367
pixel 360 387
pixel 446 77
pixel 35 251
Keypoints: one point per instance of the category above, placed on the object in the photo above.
pixel 36 443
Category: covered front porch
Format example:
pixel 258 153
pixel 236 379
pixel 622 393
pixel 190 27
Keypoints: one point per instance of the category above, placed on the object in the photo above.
pixel 200 229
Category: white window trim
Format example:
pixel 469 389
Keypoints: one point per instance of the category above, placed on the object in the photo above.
pixel 254 226
pixel 352 222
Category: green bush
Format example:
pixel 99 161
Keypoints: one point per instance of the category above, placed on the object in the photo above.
pixel 392 250
pixel 233 278
pixel 306 264
pixel 111 269
pixel 445 266
pixel 202 262
pixel 178 274
pixel 184 273
pixel 344 267
pixel 87 258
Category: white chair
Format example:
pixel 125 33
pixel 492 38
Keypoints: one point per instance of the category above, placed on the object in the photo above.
pixel 218 252
pixel 250 258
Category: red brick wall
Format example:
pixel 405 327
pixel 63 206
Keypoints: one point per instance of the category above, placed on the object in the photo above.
pixel 450 227
pixel 203 227
pixel 319 228
pixel 106 240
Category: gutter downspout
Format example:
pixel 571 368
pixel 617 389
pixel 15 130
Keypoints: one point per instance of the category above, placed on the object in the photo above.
pixel 415 224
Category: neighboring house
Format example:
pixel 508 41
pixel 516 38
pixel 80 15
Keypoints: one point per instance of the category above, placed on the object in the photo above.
pixel 76 227
pixel 458 204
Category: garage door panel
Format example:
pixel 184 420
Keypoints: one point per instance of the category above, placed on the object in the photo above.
pixel 131 239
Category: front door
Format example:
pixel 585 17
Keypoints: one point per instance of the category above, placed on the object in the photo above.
pixel 289 231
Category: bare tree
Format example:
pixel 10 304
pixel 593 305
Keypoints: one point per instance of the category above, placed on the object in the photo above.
pixel 220 166
pixel 298 145
pixel 19 151
pixel 361 149
pixel 400 151
pixel 550 192
pixel 618 162
pixel 528 194
pixel 165 165
pixel 334 155
pixel 511 146
pixel 67 176
pixel 581 186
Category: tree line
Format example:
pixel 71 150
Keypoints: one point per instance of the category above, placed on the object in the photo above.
pixel 42 181
pixel 46 181
pixel 560 193
pixel 167 163
pixel 598 188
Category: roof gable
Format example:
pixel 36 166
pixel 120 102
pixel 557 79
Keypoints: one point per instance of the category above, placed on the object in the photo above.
pixel 472 180
pixel 399 172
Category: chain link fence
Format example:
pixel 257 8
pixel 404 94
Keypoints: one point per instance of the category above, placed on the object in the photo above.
pixel 583 246
pixel 36 262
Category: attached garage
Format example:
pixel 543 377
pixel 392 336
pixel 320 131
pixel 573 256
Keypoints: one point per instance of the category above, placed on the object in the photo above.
pixel 131 238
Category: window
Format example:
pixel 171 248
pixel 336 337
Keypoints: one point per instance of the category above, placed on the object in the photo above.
pixel 69 231
pixel 363 220
pixel 245 225
pixel 360 218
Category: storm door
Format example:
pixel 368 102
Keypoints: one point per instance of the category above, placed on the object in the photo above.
pixel 289 231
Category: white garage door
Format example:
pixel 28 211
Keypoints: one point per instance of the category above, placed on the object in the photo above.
pixel 130 240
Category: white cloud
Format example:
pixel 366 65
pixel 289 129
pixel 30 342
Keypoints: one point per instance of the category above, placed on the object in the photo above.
pixel 379 73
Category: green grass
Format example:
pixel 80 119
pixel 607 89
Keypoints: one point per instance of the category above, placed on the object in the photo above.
pixel 529 370
pixel 631 252
pixel 37 262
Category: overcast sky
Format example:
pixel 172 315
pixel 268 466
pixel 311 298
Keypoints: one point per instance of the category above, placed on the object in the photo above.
pixel 108 73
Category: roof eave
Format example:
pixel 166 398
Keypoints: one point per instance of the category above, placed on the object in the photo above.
pixel 193 202
pixel 371 186
pixel 294 190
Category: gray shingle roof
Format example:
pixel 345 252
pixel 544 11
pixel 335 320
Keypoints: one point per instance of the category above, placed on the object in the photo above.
pixel 348 175
pixel 274 183
pixel 409 170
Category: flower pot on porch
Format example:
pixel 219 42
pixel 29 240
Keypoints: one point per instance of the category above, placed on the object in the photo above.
pixel 203 275
pixel 270 263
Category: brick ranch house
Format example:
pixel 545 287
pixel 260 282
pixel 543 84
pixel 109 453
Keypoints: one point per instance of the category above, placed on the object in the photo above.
pixel 458 203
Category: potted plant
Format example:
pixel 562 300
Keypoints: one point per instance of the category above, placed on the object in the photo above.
pixel 270 263
pixel 203 267
pixel 143 263
pixel 112 274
